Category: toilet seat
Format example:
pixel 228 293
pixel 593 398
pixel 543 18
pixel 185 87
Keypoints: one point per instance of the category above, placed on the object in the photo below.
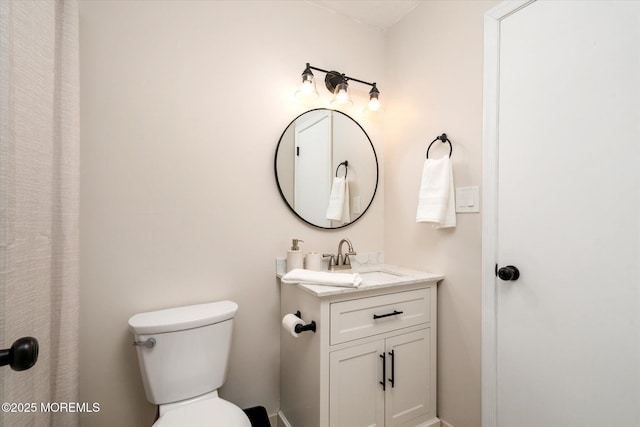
pixel 214 412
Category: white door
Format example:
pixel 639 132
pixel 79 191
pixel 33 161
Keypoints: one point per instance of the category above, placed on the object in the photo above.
pixel 410 388
pixel 356 397
pixel 561 344
pixel 312 183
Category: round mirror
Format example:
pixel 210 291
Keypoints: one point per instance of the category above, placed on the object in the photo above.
pixel 326 168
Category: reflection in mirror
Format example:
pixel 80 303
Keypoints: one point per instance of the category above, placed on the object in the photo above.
pixel 308 161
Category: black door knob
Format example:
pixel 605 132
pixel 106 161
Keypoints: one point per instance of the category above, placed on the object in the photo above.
pixel 509 272
pixel 22 355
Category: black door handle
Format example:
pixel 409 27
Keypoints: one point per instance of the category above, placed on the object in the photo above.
pixel 508 273
pixel 22 355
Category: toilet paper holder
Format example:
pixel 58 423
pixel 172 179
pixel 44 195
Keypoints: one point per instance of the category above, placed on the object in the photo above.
pixel 308 327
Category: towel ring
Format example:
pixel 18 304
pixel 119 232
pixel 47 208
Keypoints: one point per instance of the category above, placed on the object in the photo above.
pixel 346 169
pixel 444 139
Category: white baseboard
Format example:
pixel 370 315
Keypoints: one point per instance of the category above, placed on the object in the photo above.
pixel 281 421
pixel 434 422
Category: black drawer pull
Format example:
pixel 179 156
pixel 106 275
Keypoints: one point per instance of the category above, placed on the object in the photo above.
pixel 380 316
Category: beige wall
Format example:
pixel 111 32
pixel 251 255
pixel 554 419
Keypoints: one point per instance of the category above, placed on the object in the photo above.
pixel 434 70
pixel 182 107
pixel 180 98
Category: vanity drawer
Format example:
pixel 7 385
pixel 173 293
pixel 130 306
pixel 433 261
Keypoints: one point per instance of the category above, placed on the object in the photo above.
pixel 354 319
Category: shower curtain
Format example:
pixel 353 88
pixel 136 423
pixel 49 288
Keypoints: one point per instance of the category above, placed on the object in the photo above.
pixel 39 170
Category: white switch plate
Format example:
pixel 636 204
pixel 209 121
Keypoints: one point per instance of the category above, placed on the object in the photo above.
pixel 468 199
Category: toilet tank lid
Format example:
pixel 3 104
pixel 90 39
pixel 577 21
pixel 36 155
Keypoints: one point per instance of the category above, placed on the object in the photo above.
pixel 181 318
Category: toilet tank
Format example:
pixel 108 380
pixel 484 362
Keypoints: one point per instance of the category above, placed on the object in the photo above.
pixel 191 349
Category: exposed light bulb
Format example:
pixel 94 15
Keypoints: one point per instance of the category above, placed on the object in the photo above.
pixel 342 96
pixel 374 104
pixel 307 88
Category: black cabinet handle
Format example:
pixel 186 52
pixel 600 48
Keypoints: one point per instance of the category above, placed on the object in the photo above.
pixel 383 356
pixel 392 380
pixel 380 316
pixel 22 355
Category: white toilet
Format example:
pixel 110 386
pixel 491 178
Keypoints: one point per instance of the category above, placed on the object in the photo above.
pixel 183 354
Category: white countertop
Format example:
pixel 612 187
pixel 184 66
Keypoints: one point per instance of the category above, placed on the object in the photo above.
pixel 380 276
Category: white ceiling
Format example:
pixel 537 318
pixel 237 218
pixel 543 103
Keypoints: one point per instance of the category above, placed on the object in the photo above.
pixel 377 13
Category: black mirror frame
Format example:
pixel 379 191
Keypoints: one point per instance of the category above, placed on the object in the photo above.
pixel 275 170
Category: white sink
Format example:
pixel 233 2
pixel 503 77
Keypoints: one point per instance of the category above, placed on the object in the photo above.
pixel 379 276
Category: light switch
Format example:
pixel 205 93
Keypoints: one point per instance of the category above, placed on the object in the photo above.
pixel 468 199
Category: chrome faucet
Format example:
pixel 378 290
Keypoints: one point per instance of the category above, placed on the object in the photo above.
pixel 341 262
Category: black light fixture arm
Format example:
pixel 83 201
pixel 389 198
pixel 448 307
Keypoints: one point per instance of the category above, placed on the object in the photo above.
pixel 316 68
pixel 344 76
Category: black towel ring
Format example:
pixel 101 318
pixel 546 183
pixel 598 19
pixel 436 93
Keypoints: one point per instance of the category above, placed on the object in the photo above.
pixel 444 139
pixel 346 169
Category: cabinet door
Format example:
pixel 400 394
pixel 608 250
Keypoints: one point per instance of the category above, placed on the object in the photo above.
pixel 409 366
pixel 356 397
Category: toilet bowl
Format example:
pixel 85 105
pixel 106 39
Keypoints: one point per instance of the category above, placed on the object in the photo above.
pixel 210 412
pixel 183 354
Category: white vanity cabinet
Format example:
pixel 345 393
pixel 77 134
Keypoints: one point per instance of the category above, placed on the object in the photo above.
pixel 357 396
pixel 371 361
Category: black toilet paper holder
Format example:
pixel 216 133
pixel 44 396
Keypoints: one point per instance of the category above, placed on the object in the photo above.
pixel 308 327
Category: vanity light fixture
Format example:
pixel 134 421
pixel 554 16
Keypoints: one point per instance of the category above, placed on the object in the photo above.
pixel 338 84
pixel 308 86
pixel 374 102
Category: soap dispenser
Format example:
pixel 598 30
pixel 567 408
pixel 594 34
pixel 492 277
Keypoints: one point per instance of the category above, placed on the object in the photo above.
pixel 295 257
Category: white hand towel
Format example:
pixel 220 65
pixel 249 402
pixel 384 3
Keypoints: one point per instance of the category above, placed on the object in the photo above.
pixel 346 210
pixel 436 201
pixel 299 275
pixel 336 200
